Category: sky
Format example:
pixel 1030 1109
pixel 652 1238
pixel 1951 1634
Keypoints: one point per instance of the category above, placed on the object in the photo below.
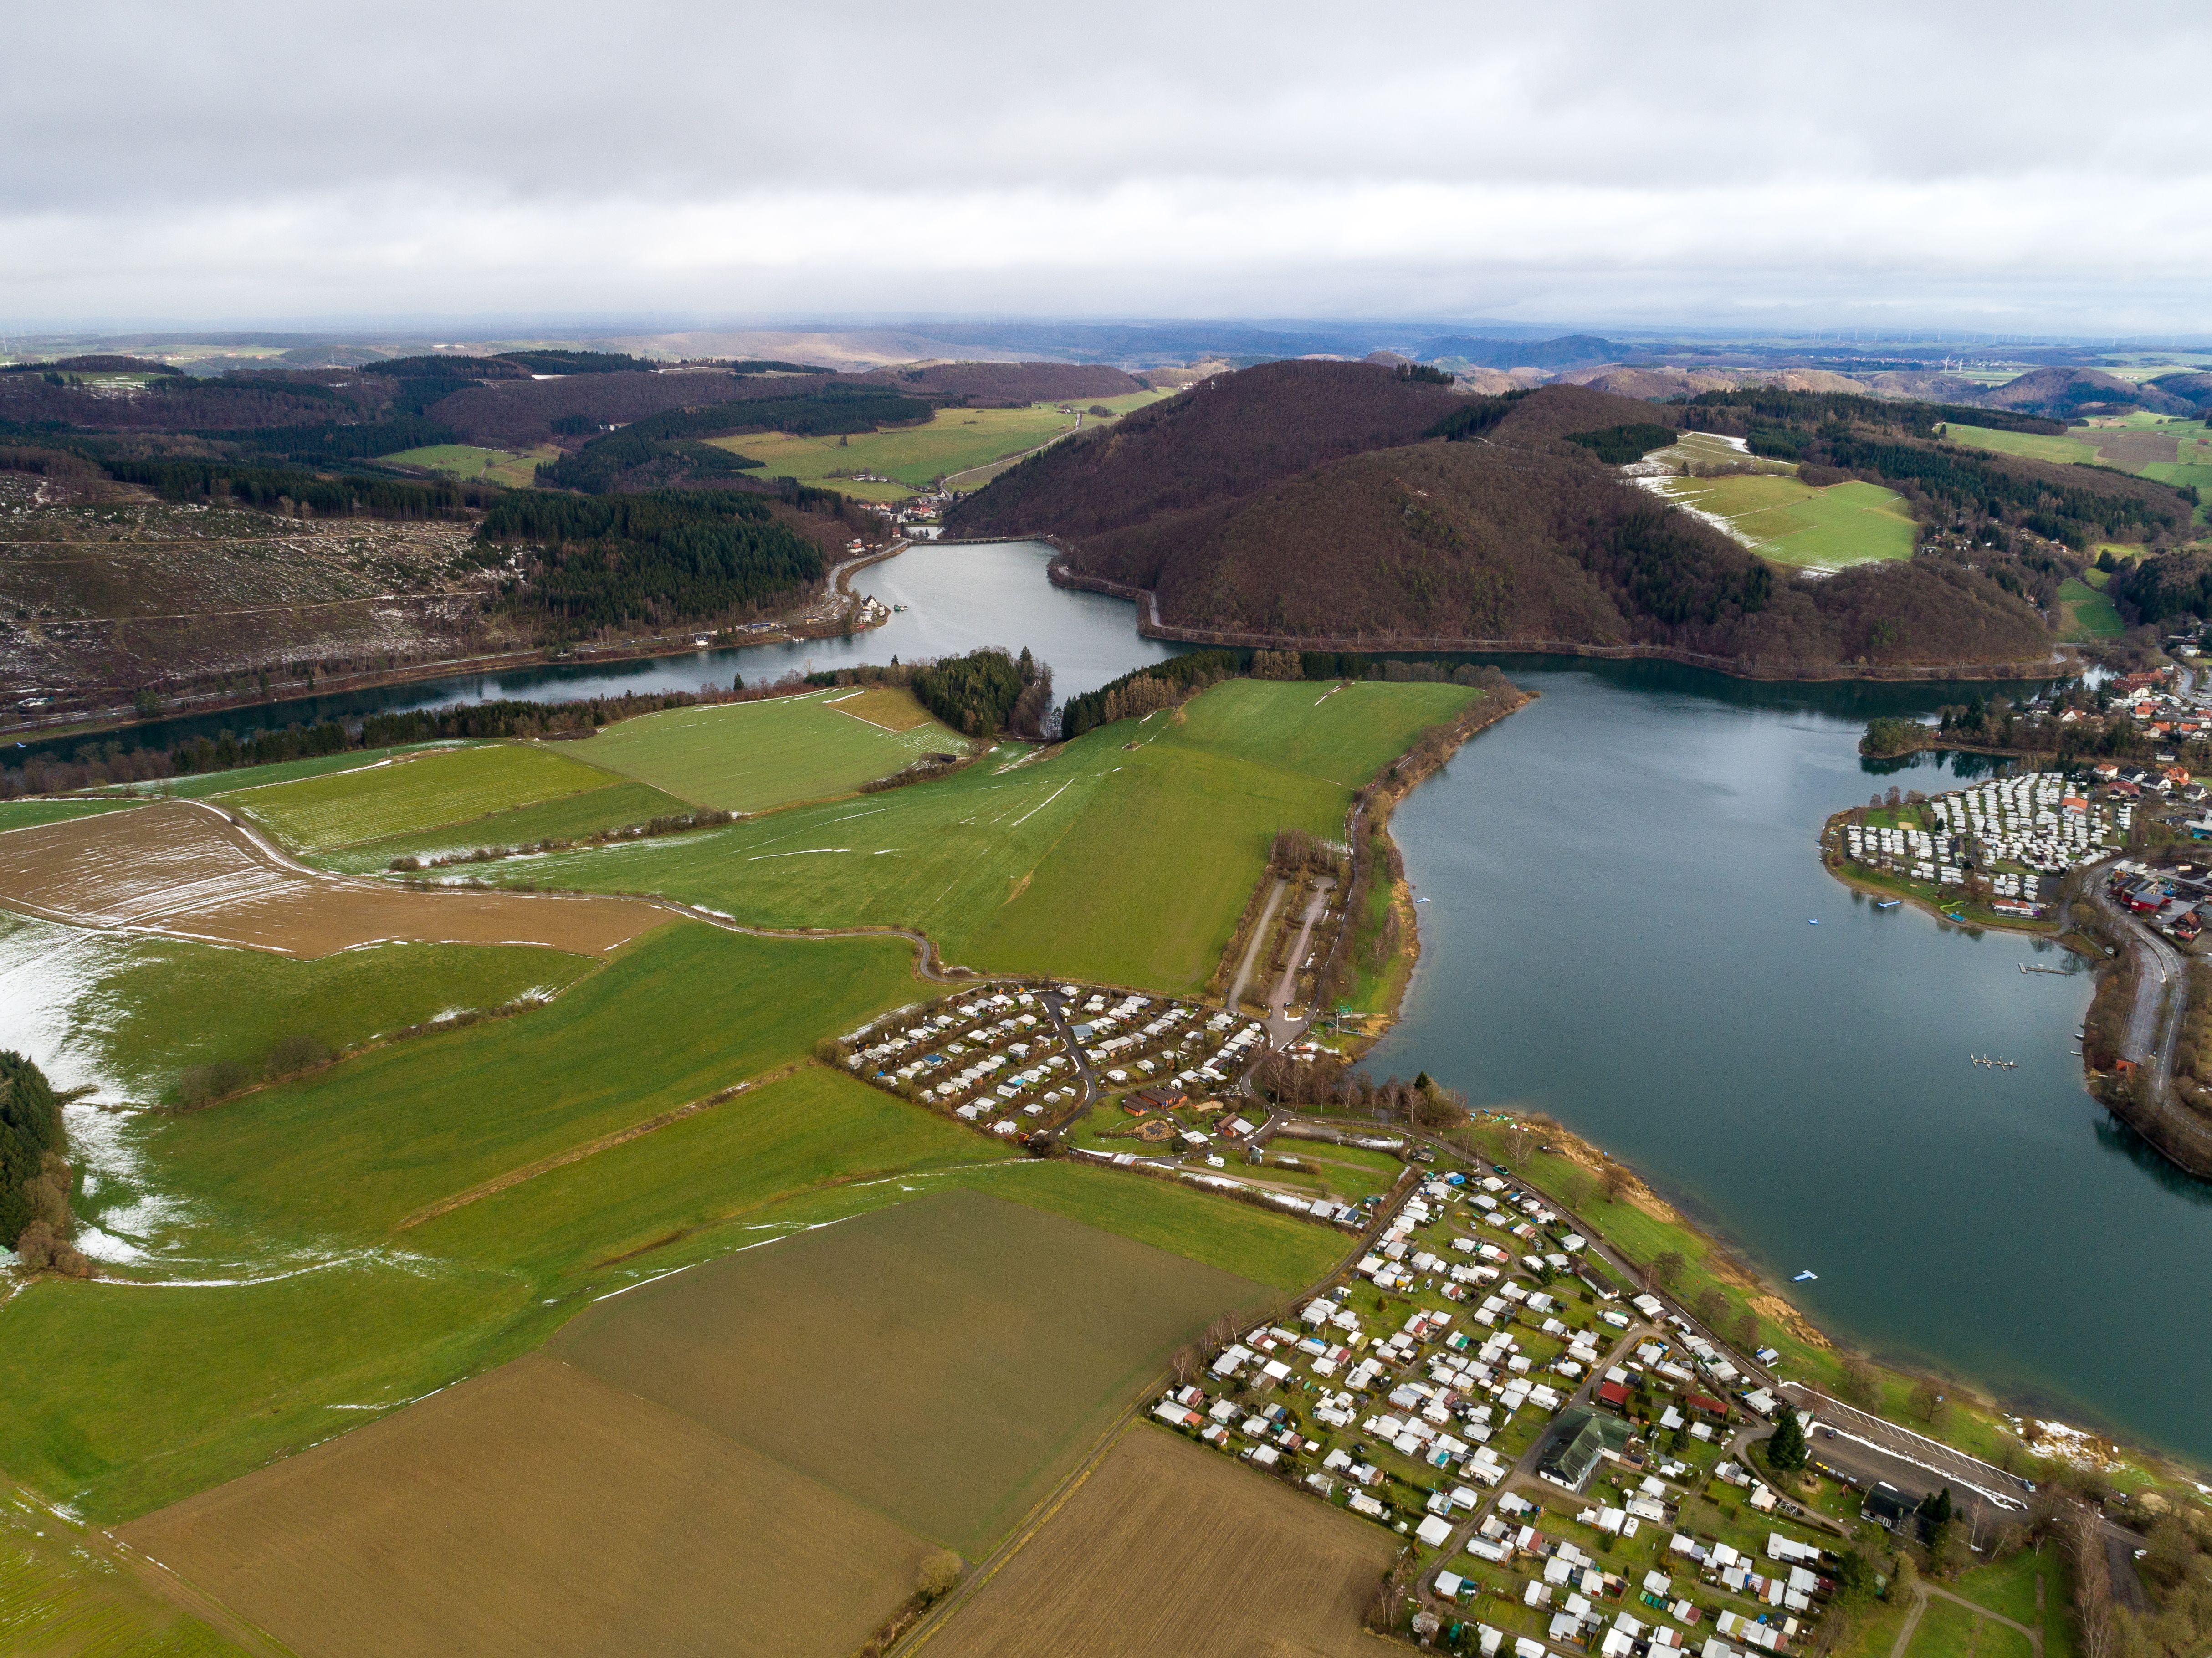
pixel 2006 167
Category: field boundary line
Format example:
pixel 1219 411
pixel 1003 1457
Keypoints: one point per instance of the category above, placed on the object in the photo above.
pixel 529 1171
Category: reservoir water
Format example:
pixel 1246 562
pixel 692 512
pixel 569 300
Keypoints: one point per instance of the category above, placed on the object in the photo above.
pixel 957 599
pixel 1622 884
pixel 1621 878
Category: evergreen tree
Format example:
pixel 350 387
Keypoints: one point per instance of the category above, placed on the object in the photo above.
pixel 1785 1451
pixel 30 1128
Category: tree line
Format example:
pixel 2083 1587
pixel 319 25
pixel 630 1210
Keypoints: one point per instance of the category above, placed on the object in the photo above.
pixel 986 691
pixel 273 489
pixel 669 440
pixel 35 1178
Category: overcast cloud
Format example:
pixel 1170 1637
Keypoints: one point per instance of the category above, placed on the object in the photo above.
pixel 2014 168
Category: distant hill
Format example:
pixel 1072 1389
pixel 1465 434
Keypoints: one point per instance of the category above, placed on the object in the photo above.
pixel 2193 388
pixel 2062 394
pixel 1305 501
pixel 514 414
pixel 1010 382
pixel 1568 351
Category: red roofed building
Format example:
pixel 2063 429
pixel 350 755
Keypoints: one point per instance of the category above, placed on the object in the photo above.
pixel 1613 1393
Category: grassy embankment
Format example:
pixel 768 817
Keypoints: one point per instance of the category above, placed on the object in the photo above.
pixel 961 444
pixel 1125 856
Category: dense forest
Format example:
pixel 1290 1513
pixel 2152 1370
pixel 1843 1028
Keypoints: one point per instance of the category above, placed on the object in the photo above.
pixel 986 691
pixel 277 488
pixel 611 561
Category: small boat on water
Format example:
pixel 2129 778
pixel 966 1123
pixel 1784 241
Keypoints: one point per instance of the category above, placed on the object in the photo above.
pixel 1808 1276
pixel 1888 904
pixel 1993 1064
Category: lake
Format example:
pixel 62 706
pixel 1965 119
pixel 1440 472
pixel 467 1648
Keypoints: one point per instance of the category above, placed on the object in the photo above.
pixel 1621 883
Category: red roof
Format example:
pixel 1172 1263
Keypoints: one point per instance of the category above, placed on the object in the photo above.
pixel 1706 1403
pixel 1612 1393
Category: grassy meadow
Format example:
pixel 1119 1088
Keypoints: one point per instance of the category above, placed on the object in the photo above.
pixel 571 817
pixel 139 1010
pixel 746 756
pixel 385 799
pixel 952 441
pixel 29 814
pixel 469 460
pixel 2086 612
pixel 1790 523
pixel 1127 856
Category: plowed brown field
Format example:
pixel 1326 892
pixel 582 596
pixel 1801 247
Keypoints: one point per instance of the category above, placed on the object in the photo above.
pixel 539 1512
pixel 186 871
pixel 1171 1548
pixel 945 1361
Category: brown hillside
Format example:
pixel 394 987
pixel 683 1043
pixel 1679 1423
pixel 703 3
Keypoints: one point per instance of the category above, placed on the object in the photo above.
pixel 1214 444
pixel 1514 533
pixel 1525 538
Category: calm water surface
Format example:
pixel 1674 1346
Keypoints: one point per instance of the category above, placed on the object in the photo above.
pixel 1621 880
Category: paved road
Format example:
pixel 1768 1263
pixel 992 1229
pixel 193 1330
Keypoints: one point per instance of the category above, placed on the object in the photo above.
pixel 2153 1031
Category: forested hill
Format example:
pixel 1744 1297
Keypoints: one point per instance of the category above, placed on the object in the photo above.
pixel 1267 505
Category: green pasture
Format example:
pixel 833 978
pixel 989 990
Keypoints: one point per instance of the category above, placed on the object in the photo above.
pixel 1790 523
pixel 677 1015
pixel 379 800
pixel 468 460
pixel 2087 613
pixel 1946 1631
pixel 2032 445
pixel 201 784
pixel 745 757
pixel 1127 856
pixel 1711 449
pixel 952 440
pixel 140 1009
pixel 59 1597
pixel 571 817
pixel 28 814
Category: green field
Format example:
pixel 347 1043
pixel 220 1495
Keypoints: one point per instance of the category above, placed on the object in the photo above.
pixel 954 440
pixel 136 1010
pixel 59 1597
pixel 1017 1336
pixel 2034 446
pixel 467 460
pixel 1789 522
pixel 572 818
pixel 380 801
pixel 1126 864
pixel 744 757
pixel 2087 613
pixel 200 785
pixel 680 1013
pixel 28 814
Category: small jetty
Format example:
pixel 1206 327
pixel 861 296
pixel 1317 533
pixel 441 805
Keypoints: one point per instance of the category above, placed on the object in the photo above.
pixel 2059 971
pixel 1888 904
pixel 1993 1064
pixel 1808 1276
